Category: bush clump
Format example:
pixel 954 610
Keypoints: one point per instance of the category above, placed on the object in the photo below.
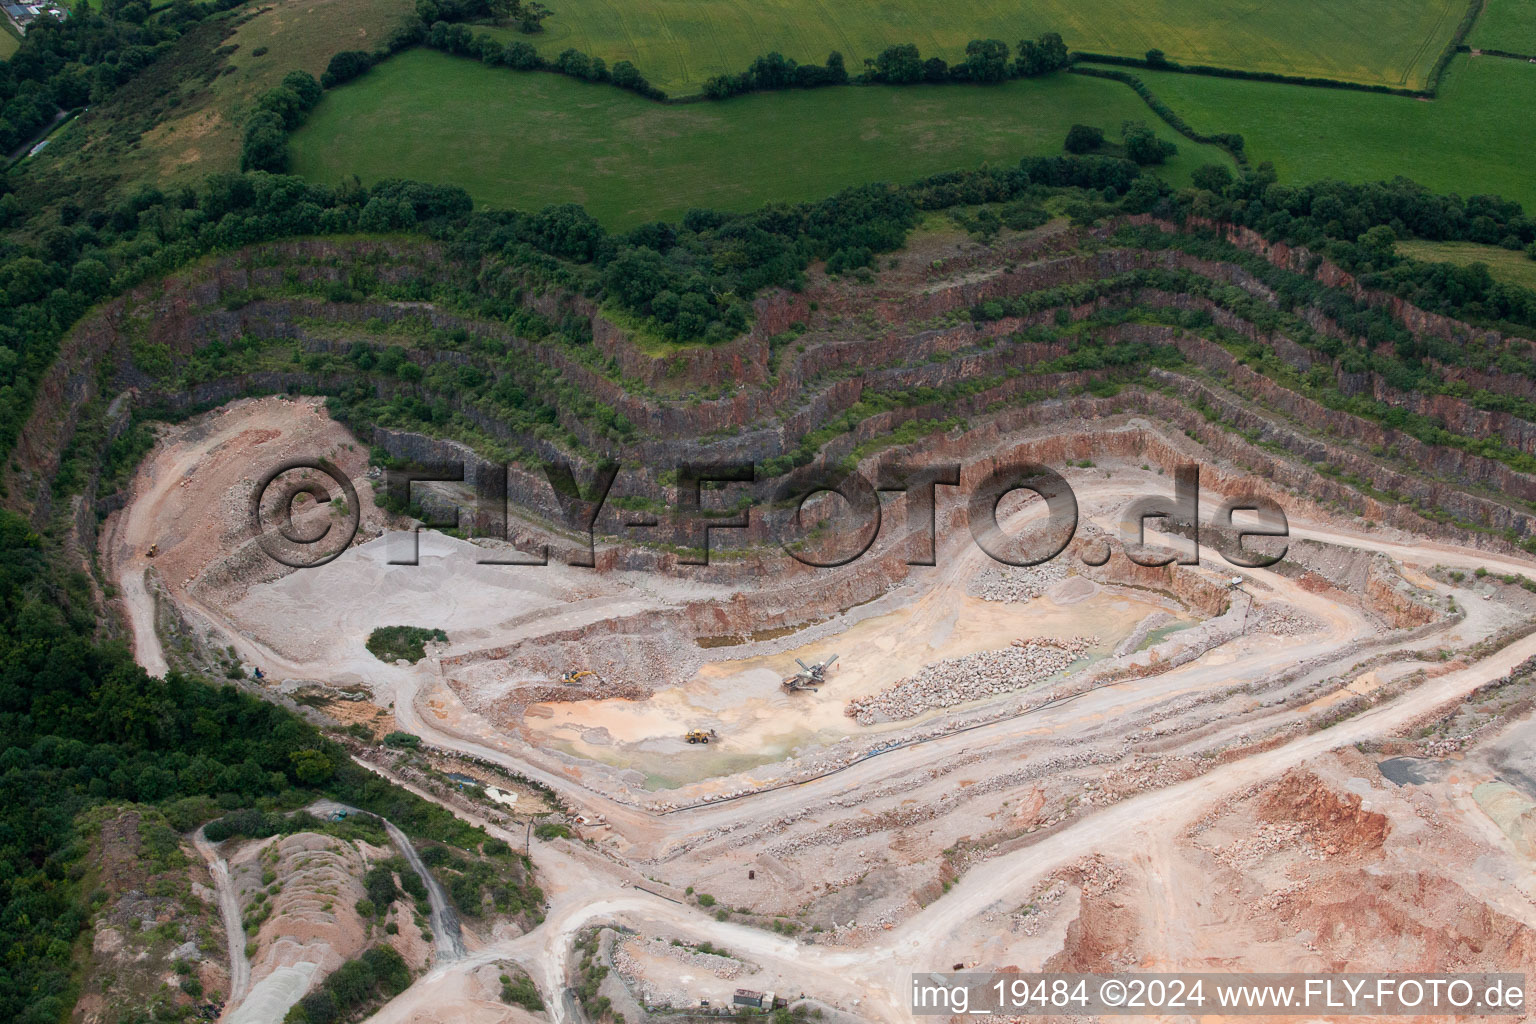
pixel 1084 138
pixel 378 975
pixel 392 643
pixel 520 990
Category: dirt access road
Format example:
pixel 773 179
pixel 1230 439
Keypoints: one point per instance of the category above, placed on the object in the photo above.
pixel 234 925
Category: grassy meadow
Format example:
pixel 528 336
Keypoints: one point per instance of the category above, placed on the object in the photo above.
pixel 1506 25
pixel 1505 265
pixel 529 139
pixel 1465 141
pixel 678 44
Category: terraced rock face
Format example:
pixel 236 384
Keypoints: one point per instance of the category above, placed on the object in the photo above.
pixel 1269 356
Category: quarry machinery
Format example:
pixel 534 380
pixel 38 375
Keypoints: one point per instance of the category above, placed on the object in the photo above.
pixel 809 677
pixel 700 735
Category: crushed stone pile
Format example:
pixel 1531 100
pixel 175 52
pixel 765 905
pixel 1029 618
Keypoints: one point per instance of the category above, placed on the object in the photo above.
pixel 1284 620
pixel 654 993
pixel 646 991
pixel 970 677
pixel 1016 583
pixel 717 963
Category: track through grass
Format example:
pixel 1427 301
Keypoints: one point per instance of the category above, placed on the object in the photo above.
pixel 527 139
pixel 678 44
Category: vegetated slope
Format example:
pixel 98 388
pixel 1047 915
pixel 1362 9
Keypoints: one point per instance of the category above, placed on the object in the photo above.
pixel 678 44
pixel 1465 141
pixel 155 919
pixel 526 140
pixel 1505 25
pixel 1511 266
pixel 182 117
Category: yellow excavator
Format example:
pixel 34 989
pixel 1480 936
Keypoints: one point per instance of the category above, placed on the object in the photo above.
pixel 700 735
pixel 577 675
pixel 154 549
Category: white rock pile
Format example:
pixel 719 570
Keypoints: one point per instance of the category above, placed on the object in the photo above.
pixel 970 677
pixel 1017 583
pixel 726 967
pixel 1285 620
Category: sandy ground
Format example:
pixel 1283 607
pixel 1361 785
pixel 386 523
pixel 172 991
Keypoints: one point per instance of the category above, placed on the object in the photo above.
pixel 759 723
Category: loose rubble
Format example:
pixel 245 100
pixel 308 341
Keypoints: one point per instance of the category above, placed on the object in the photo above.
pixel 1016 583
pixel 652 993
pixel 971 677
pixel 1284 620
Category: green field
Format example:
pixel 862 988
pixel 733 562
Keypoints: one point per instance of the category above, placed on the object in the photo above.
pixel 1475 138
pixel 1505 265
pixel 528 139
pixel 678 44
pixel 1506 25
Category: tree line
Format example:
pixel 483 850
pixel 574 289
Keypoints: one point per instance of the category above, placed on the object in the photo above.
pixel 987 61
pixel 1232 142
pixel 460 40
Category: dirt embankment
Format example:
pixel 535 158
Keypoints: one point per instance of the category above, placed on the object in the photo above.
pixel 1318 870
pixel 300 896
pixel 301 893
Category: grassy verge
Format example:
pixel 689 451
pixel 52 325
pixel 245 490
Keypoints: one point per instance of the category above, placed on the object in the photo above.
pixel 10 41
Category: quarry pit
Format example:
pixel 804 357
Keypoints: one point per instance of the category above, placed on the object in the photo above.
pixel 1078 754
